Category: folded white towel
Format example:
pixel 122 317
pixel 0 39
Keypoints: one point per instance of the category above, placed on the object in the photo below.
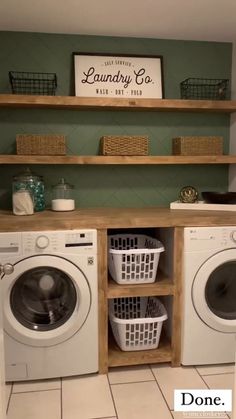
pixel 22 203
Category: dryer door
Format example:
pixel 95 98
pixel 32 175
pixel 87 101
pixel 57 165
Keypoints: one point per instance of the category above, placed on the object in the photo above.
pixel 214 291
pixel 46 300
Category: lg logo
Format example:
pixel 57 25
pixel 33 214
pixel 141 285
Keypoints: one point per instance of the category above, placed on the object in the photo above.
pixel 90 260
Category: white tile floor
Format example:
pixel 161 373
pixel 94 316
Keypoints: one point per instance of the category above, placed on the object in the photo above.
pixel 144 392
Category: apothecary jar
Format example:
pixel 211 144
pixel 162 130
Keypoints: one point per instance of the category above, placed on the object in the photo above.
pixel 31 184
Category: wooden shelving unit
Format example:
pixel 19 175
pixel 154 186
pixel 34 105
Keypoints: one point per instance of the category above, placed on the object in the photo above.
pixel 81 103
pixel 116 357
pixel 109 353
pixel 163 286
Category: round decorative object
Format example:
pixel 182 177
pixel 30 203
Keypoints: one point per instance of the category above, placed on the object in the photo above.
pixel 188 194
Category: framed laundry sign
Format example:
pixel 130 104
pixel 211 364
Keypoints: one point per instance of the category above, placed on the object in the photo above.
pixel 118 76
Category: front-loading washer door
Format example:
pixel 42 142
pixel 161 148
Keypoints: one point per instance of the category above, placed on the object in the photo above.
pixel 214 291
pixel 46 300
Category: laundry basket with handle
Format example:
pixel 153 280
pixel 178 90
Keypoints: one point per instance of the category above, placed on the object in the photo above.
pixel 133 258
pixel 136 322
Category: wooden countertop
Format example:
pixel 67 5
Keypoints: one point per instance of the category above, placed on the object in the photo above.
pixel 105 218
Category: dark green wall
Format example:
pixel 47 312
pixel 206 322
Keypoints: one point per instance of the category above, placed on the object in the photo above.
pixel 113 185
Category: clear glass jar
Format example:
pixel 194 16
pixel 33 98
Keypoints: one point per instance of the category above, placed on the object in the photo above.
pixel 32 183
pixel 62 196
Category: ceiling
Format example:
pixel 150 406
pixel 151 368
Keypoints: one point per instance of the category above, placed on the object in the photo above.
pixel 208 20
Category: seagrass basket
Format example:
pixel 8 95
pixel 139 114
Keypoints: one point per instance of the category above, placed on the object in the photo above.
pixel 111 145
pixel 46 145
pixel 197 146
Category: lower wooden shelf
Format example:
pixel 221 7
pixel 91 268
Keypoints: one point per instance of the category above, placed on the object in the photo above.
pixel 117 358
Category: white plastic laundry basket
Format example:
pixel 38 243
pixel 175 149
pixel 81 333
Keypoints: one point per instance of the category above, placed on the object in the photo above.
pixel 137 322
pixel 133 258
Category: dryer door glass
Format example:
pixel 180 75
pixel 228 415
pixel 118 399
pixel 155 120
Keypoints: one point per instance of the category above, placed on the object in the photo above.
pixel 214 291
pixel 43 298
pixel 220 291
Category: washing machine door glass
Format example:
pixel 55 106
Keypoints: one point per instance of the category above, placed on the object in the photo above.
pixel 43 298
pixel 214 291
pixel 220 292
pixel 47 300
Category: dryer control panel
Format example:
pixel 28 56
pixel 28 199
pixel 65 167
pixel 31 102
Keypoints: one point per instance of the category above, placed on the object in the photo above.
pixel 209 238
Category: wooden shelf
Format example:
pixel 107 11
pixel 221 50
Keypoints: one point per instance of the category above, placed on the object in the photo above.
pixel 117 358
pixel 117 160
pixel 164 286
pixel 80 103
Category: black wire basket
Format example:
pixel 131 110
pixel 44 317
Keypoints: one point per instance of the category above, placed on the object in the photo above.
pixel 28 83
pixel 205 89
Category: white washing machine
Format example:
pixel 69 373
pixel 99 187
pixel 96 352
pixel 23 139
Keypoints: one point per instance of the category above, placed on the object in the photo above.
pixel 50 303
pixel 209 295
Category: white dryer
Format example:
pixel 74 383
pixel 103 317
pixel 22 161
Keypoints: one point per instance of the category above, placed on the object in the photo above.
pixel 50 303
pixel 209 295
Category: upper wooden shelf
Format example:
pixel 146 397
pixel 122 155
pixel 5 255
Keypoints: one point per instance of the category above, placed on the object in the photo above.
pixel 73 102
pixel 117 160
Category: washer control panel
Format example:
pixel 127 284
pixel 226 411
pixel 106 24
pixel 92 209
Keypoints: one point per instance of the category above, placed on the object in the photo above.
pixel 63 242
pixel 207 238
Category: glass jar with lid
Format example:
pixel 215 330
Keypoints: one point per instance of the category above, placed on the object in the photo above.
pixel 33 183
pixel 62 196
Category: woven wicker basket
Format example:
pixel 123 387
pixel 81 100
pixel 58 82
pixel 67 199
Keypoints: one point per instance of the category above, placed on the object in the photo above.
pixel 124 145
pixel 47 145
pixel 197 146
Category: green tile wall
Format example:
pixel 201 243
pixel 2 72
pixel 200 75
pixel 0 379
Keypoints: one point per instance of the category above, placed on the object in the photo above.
pixel 113 185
